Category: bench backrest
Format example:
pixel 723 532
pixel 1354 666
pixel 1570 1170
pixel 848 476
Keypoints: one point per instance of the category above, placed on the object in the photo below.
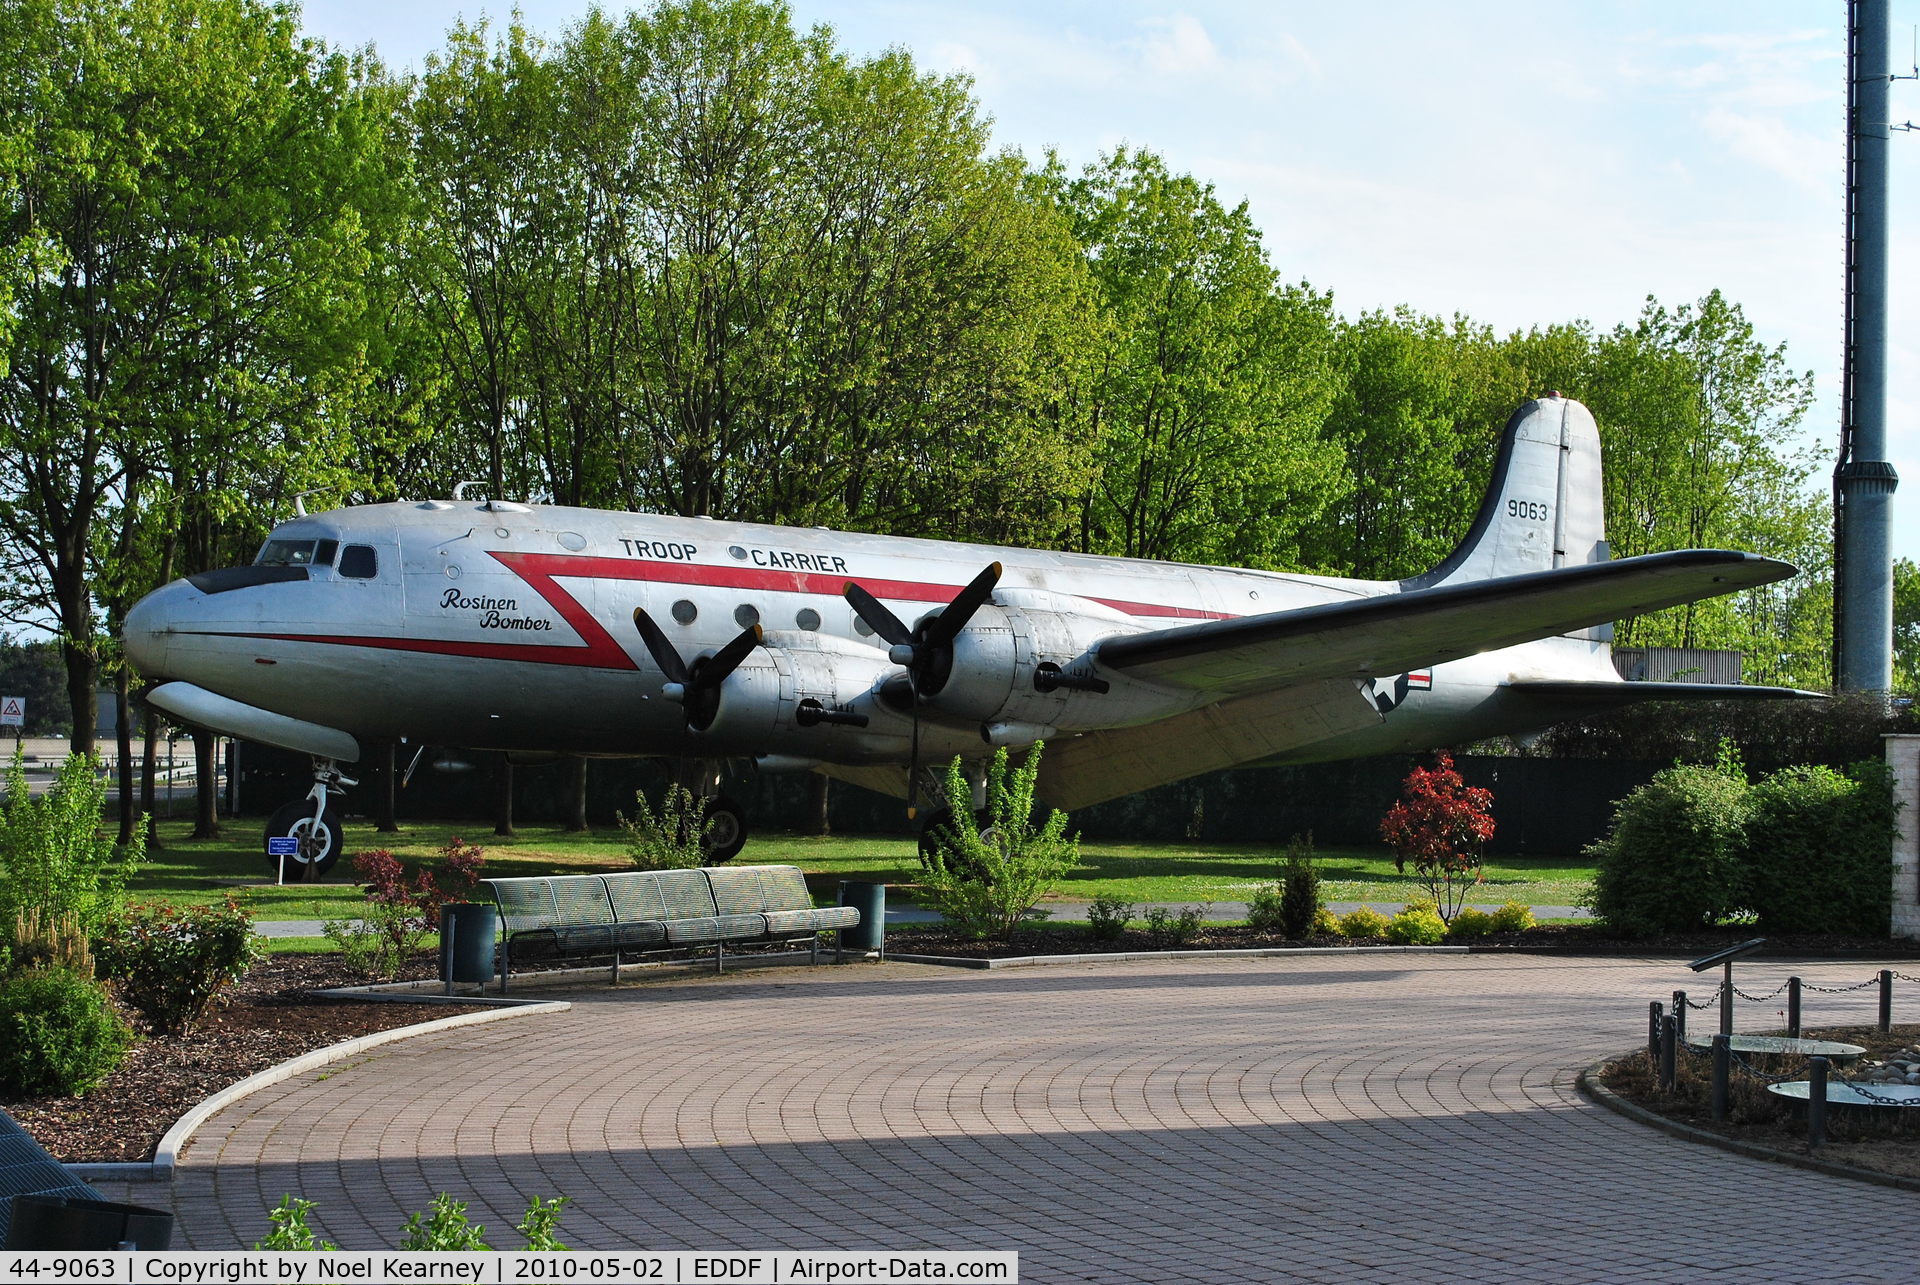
pixel 534 903
pixel 746 890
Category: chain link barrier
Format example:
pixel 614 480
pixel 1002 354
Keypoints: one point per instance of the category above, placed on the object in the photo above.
pixel 1781 989
pixel 1841 990
pixel 1705 1003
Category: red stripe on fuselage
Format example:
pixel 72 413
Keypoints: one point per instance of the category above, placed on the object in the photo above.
pixel 542 572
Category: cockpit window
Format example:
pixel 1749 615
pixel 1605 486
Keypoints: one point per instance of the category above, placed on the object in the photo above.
pixel 357 562
pixel 323 552
pixel 287 553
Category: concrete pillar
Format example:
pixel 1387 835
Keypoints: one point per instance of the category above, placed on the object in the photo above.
pixel 1903 758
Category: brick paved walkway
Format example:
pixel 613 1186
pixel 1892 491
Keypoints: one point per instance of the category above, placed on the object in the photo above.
pixel 1374 1118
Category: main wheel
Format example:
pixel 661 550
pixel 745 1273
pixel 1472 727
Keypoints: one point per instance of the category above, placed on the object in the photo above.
pixel 316 847
pixel 726 830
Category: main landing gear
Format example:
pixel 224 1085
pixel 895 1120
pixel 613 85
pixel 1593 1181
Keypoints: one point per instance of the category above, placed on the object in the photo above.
pixel 309 828
pixel 726 827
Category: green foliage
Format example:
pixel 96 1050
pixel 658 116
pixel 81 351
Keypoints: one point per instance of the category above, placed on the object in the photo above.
pixel 1325 922
pixel 290 1233
pixel 1513 917
pixel 540 1224
pixel 171 964
pixel 985 881
pixel 1670 861
pixel 1819 849
pixel 1300 889
pixel 667 839
pixel 59 1034
pixel 1107 918
pixel 1266 909
pixel 1364 922
pixel 49 940
pixel 1470 924
pixel 402 905
pixel 1419 924
pixel 1172 929
pixel 53 855
pixel 444 1227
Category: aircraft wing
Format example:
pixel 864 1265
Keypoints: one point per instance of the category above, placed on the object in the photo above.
pixel 1396 632
pixel 1609 695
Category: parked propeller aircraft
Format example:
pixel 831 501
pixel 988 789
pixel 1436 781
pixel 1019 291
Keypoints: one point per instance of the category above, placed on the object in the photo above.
pixel 537 629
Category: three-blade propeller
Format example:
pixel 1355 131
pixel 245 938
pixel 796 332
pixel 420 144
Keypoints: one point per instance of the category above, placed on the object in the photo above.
pixel 926 650
pixel 697 686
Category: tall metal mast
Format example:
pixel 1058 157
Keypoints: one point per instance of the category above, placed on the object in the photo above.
pixel 1863 480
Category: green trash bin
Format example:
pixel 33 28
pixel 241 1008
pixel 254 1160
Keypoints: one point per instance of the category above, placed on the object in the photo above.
pixel 467 930
pixel 870 899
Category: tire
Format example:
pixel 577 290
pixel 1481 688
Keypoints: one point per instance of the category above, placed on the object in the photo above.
pixel 726 830
pixel 317 849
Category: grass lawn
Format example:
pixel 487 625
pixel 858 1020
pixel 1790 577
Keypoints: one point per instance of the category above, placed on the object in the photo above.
pixel 187 871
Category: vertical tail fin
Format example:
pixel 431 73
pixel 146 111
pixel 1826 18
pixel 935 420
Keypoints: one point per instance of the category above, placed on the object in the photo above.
pixel 1545 501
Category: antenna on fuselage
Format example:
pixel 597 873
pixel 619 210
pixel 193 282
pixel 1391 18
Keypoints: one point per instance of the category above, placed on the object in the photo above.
pixel 460 489
pixel 300 501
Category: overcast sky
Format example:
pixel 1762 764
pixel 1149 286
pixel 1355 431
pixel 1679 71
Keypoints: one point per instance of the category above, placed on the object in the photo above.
pixel 1522 163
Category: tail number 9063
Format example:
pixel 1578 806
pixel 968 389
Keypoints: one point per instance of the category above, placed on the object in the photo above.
pixel 1528 510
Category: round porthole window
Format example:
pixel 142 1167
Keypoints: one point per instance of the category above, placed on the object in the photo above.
pixel 685 612
pixel 808 619
pixel 862 628
pixel 737 553
pixel 572 540
pixel 746 616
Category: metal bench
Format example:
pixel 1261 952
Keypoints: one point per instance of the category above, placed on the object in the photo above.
pixel 61 1211
pixel 642 910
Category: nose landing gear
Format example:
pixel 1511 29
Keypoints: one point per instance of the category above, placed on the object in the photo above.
pixel 313 825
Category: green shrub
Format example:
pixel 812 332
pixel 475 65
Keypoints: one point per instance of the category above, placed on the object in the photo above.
pixel 403 905
pixel 54 857
pixel 42 939
pixel 1364 922
pixel 59 1034
pixel 170 964
pixel 1325 922
pixel 290 1232
pixel 985 881
pixel 1514 917
pixel 1171 928
pixel 444 1227
pixel 1107 918
pixel 1266 909
pixel 1470 924
pixel 1671 859
pixel 669 839
pixel 1419 924
pixel 1300 887
pixel 1819 850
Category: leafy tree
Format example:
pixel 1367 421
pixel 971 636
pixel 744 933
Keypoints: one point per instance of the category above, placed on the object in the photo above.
pixel 1440 825
pixel 1210 379
pixel 985 878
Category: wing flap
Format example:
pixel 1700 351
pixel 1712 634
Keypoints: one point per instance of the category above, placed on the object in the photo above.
pixel 1603 694
pixel 1396 632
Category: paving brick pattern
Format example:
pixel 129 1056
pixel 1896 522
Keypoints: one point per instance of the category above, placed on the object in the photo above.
pixel 1368 1118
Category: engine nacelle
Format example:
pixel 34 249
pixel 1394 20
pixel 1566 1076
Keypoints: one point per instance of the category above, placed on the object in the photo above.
pixel 810 694
pixel 1021 634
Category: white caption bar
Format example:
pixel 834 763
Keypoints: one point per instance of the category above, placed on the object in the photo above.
pixel 725 1267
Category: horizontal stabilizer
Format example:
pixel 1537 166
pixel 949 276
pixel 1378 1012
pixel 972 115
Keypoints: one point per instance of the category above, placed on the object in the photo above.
pixel 1393 633
pixel 1605 694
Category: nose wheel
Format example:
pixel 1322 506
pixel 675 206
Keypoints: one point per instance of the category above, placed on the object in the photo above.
pixel 316 842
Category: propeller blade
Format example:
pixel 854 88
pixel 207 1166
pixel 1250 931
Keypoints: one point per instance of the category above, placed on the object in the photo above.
pixel 663 652
pixel 946 626
pixel 714 670
pixel 875 613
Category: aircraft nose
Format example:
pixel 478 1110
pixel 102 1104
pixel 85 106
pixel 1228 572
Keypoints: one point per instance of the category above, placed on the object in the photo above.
pixel 148 631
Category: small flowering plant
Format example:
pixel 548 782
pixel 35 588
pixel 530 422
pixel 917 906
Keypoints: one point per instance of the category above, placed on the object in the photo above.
pixel 403 905
pixel 1439 826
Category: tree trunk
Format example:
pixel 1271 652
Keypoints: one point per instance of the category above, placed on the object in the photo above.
pixel 149 735
pixel 206 791
pixel 83 672
pixel 814 819
pixel 577 814
pixel 503 799
pixel 385 794
pixel 123 747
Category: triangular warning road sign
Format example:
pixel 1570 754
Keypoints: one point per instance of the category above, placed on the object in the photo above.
pixel 10 707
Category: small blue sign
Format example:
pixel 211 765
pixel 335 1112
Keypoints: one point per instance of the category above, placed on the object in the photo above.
pixel 287 846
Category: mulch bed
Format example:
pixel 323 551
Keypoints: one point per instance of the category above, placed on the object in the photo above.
pixel 269 1016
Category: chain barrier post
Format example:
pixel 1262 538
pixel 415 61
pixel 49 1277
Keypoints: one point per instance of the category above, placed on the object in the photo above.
pixel 1680 1013
pixel 1722 1067
pixel 1886 1000
pixel 1667 1040
pixel 1726 1002
pixel 1816 1102
pixel 1793 1008
pixel 1655 1011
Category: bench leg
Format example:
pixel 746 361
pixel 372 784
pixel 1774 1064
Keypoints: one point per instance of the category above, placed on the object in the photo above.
pixel 506 963
pixel 813 949
pixel 839 952
pixel 719 956
pixel 614 979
